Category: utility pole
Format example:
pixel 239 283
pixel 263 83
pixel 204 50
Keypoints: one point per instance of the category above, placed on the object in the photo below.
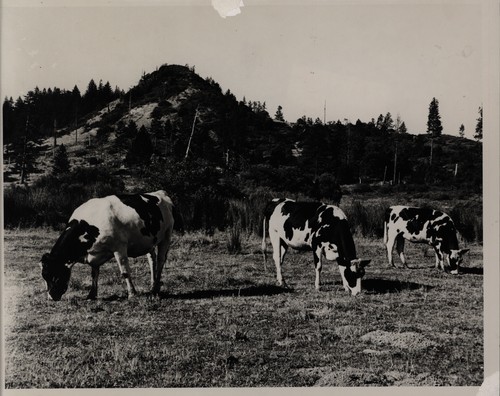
pixel 324 114
pixel 432 143
pixel 395 163
pixel 76 125
pixel 55 139
pixel 192 132
pixel 23 162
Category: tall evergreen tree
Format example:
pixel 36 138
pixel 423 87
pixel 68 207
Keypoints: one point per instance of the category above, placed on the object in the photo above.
pixel 434 127
pixel 61 161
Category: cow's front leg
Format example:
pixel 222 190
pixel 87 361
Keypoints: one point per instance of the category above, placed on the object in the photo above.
pixel 317 253
pixel 122 260
pixel 93 288
pixel 439 259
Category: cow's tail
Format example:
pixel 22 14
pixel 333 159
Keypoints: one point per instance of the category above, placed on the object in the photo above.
pixel 263 245
pixel 386 224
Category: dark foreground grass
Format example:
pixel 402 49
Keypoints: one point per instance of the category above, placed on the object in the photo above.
pixel 220 321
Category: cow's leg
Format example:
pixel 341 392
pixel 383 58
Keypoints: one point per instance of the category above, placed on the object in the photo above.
pixel 152 260
pixel 390 245
pixel 439 258
pixel 122 260
pixel 317 254
pixel 279 251
pixel 93 288
pixel 400 248
pixel 161 259
pixel 342 270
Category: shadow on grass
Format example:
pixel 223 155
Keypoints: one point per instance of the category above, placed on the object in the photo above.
pixel 471 270
pixel 382 286
pixel 247 291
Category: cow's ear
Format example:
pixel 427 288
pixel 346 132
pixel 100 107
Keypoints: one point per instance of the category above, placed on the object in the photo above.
pixel 463 251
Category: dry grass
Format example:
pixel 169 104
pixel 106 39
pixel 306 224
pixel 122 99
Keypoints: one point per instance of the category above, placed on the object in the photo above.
pixel 221 322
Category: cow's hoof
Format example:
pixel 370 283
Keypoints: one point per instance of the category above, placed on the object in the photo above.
pixel 154 295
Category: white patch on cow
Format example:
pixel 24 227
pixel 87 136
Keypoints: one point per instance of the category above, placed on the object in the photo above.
pixel 83 238
pixel 330 250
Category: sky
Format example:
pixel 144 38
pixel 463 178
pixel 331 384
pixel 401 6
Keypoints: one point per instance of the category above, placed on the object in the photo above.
pixel 360 58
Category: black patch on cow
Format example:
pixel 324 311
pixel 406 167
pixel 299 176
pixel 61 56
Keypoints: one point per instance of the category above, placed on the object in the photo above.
pixel 148 210
pixel 389 215
pixel 443 232
pixel 299 213
pixel 75 241
pixel 352 277
pixel 334 230
pixel 417 217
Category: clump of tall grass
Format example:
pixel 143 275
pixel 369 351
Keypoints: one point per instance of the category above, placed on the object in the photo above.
pixel 366 220
pixel 234 244
pixel 468 219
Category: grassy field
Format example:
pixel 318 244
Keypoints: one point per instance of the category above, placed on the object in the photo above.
pixel 221 321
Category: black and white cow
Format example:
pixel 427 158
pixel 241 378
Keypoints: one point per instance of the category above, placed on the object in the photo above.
pixel 118 226
pixel 318 227
pixel 423 225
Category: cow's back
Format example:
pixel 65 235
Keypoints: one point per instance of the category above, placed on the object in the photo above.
pixel 138 221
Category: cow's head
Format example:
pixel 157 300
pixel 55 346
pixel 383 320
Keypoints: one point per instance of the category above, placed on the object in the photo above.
pixel 455 259
pixel 56 275
pixel 352 274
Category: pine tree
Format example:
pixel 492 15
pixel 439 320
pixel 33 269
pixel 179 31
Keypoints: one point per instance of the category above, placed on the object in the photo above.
pixel 479 126
pixel 279 114
pixel 61 161
pixel 461 131
pixel 434 127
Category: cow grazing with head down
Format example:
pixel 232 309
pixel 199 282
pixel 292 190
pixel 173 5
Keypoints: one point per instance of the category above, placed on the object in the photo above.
pixel 119 226
pixel 318 227
pixel 423 225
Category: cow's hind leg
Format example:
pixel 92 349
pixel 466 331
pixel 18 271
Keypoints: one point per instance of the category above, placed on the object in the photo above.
pixel 317 253
pixel 400 248
pixel 390 246
pixel 279 251
pixel 93 288
pixel 122 260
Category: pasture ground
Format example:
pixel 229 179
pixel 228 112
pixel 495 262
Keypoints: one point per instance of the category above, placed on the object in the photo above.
pixel 221 321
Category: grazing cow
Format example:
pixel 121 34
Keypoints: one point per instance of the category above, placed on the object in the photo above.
pixel 423 225
pixel 118 226
pixel 317 227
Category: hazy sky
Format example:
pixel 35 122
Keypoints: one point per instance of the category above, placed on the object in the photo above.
pixel 363 58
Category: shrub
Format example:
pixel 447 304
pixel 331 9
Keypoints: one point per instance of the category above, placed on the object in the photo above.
pixel 52 199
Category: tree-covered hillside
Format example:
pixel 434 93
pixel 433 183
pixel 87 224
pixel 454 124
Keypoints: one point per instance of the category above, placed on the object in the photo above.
pixel 174 121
